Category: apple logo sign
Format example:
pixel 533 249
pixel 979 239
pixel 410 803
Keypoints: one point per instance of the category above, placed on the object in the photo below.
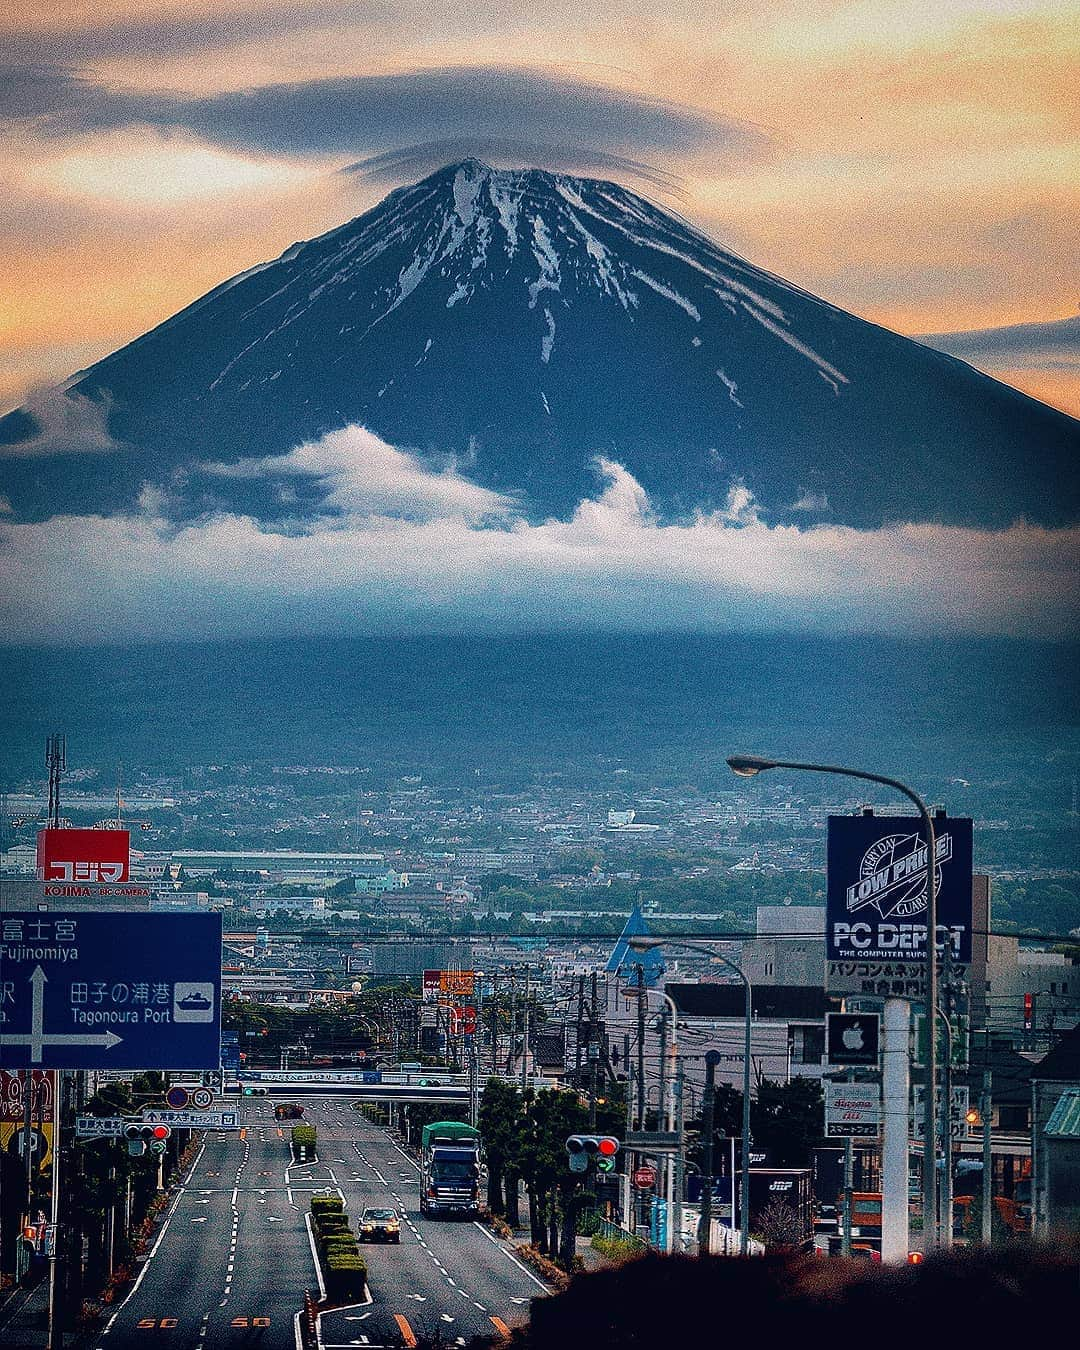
pixel 852 1037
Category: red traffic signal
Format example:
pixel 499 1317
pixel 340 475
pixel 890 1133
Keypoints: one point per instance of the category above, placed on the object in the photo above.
pixel 146 1132
pixel 590 1144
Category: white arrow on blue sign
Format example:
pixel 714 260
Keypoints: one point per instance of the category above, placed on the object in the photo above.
pixel 110 990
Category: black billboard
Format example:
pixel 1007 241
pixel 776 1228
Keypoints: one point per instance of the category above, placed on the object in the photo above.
pixel 877 883
pixel 852 1040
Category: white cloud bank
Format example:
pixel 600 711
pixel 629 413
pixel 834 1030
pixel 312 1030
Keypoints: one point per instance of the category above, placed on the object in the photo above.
pixel 408 549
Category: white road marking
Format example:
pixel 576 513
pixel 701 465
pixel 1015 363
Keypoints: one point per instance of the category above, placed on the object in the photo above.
pixel 510 1256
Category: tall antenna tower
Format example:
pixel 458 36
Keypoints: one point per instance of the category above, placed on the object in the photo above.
pixel 56 763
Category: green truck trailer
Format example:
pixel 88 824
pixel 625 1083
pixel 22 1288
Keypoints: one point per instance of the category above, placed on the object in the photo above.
pixel 449 1170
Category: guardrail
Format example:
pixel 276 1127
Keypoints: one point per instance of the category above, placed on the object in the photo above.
pixel 606 1229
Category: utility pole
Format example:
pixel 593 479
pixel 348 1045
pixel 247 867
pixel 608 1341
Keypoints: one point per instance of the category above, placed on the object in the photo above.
pixel 51 1338
pixel 640 1085
pixel 513 1019
pixel 580 1026
pixel 662 1103
pixel 525 1034
pixel 640 1047
pixel 494 1028
pixel 29 1156
pixel 594 1056
pixel 986 1108
pixel 680 1160
pixel 474 1084
pixel 945 1209
pixel 708 1106
pixel 849 1186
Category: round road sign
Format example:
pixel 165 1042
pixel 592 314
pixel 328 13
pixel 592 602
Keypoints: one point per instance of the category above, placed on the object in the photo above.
pixel 202 1097
pixel 177 1098
pixel 644 1177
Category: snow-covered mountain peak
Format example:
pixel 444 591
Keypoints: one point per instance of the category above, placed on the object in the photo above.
pixel 525 325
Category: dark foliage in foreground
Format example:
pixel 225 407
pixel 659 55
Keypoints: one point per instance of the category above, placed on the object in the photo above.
pixel 967 1297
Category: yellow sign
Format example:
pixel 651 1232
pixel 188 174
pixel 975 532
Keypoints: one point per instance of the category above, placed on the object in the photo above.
pixel 13 1140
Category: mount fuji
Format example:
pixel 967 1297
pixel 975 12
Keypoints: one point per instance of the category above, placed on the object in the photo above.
pixel 517 327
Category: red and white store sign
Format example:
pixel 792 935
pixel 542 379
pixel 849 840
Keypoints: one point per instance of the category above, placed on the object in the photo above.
pixel 83 855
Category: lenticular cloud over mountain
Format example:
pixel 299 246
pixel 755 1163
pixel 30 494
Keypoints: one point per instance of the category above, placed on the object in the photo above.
pixel 522 400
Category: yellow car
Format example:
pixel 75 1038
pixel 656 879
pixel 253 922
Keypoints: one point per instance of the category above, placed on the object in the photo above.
pixel 380 1225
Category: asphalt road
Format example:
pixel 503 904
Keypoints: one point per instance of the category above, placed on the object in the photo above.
pixel 449 1277
pixel 234 1257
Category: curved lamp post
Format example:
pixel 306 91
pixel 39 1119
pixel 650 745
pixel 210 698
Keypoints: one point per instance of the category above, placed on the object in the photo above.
pixel 643 944
pixel 747 766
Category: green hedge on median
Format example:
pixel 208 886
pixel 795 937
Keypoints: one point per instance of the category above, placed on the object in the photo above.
pixel 303 1136
pixel 345 1276
pixel 344 1269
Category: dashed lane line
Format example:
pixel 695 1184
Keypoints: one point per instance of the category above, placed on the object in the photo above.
pixel 180 1191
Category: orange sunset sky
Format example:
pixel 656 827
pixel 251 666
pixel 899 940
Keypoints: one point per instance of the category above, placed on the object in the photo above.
pixel 914 161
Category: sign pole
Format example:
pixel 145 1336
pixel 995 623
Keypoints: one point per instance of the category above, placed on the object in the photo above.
pixel 849 1162
pixel 28 1136
pixel 708 1110
pixel 54 1212
pixel 896 1073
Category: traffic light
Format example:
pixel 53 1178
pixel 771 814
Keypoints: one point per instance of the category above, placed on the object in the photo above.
pixel 138 1136
pixel 582 1148
pixel 972 1117
pixel 606 1149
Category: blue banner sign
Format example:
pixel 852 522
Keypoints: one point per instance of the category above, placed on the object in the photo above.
pixel 86 990
pixel 877 888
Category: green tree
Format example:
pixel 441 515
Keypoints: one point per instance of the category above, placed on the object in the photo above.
pixel 501 1122
pixel 551 1117
pixel 788 1119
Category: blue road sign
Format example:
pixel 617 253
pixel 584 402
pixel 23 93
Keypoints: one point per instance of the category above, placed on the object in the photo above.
pixel 81 990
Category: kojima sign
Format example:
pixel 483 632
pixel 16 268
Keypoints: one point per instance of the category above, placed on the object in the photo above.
pixel 876 897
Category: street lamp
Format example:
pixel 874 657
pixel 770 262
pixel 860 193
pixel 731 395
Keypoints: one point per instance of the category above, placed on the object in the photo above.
pixel 747 766
pixel 643 944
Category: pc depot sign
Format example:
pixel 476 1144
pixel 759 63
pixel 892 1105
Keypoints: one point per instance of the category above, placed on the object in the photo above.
pixel 86 990
pixel 876 900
